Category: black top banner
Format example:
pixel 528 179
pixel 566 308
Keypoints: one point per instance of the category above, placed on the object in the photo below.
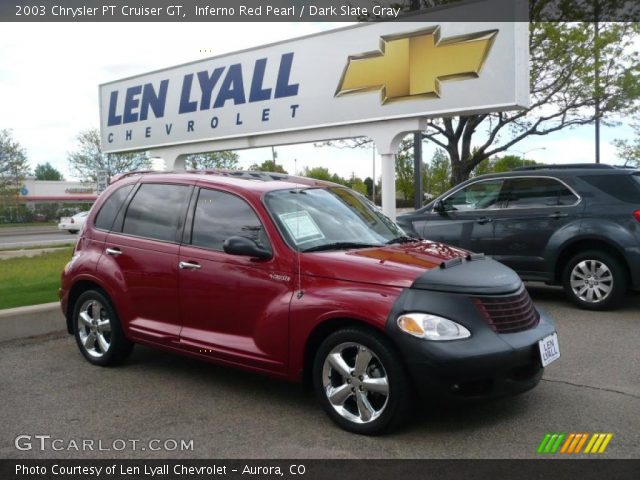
pixel 306 10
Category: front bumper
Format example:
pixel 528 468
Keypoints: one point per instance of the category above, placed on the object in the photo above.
pixel 486 365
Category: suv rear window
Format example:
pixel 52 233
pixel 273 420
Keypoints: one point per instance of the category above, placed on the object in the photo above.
pixel 111 207
pixel 156 211
pixel 625 188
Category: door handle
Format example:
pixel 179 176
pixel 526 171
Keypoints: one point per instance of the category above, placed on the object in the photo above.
pixel 484 220
pixel 189 266
pixel 558 215
pixel 113 251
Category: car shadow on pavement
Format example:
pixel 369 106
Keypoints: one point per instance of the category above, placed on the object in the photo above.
pixel 232 384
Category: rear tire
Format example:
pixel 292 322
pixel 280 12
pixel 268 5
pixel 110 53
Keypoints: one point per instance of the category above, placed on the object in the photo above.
pixel 98 331
pixel 361 382
pixel 595 280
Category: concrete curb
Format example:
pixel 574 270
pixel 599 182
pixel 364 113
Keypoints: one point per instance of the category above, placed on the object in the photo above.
pixel 23 322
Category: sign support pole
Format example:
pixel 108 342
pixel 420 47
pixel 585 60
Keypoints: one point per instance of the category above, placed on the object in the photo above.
pixel 389 185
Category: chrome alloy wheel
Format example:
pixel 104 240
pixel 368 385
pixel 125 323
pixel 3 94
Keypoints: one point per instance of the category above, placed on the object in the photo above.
pixel 355 382
pixel 591 281
pixel 94 328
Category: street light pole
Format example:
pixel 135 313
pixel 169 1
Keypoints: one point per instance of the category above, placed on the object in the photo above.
pixel 373 184
pixel 596 35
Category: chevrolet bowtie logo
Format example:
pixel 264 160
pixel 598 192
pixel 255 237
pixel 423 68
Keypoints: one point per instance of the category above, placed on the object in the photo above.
pixel 413 65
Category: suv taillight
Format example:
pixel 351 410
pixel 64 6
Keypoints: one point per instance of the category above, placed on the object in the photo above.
pixel 636 215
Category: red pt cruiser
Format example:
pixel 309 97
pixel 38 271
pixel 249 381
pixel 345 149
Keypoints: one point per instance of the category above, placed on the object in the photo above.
pixel 301 280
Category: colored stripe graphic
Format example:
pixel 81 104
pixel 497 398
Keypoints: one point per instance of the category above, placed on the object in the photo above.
pixel 551 442
pixel 572 443
pixel 598 443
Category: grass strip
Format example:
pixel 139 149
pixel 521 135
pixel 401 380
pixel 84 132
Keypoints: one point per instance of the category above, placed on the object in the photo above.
pixel 32 280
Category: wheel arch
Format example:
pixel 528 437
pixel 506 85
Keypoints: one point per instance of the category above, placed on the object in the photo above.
pixel 78 289
pixel 576 246
pixel 326 328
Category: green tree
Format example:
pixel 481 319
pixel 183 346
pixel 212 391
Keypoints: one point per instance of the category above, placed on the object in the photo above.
pixel 369 184
pixel 225 160
pixel 571 72
pixel 564 92
pixel 14 166
pixel 357 184
pixel 268 166
pixel 439 173
pixel 45 171
pixel 505 163
pixel 629 151
pixel 322 173
pixel 88 159
pixel 319 173
pixel 335 178
pixel 404 171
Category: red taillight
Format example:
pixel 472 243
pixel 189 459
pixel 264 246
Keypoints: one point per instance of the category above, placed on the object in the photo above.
pixel 636 215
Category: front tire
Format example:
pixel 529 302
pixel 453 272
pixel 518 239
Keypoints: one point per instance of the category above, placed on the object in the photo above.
pixel 595 280
pixel 360 382
pixel 97 330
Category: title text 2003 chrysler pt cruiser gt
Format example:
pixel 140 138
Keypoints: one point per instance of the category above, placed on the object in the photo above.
pixel 301 280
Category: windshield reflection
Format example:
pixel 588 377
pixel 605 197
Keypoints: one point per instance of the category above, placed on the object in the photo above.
pixel 329 218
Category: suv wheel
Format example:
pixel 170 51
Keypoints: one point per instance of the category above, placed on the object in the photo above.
pixel 97 330
pixel 360 382
pixel 595 280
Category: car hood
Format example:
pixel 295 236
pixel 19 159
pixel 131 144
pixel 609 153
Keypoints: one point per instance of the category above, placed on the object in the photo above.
pixel 422 265
pixel 393 265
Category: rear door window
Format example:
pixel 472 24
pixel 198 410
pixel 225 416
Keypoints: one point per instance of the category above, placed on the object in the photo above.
pixel 219 215
pixel 157 211
pixel 538 193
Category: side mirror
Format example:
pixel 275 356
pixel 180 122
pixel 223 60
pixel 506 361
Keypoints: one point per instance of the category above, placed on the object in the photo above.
pixel 439 207
pixel 246 247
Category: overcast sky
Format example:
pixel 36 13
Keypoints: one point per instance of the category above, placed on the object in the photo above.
pixel 50 72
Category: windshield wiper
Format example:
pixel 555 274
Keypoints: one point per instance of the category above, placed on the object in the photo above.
pixel 402 239
pixel 338 246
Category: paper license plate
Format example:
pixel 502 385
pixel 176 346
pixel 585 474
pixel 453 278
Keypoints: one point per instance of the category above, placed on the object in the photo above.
pixel 549 349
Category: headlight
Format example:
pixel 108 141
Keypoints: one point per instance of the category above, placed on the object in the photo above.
pixel 431 327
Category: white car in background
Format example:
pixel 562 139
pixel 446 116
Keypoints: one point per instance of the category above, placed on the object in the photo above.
pixel 73 224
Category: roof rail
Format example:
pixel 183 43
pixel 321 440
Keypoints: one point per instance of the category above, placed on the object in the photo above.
pixel 244 174
pixel 120 176
pixel 567 166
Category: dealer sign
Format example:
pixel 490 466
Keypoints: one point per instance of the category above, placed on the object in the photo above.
pixel 365 73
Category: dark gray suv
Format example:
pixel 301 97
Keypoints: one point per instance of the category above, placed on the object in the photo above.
pixel 572 225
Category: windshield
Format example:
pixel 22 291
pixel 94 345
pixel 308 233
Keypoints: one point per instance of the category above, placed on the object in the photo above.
pixel 329 218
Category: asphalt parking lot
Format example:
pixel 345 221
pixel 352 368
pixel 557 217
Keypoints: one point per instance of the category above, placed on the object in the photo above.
pixel 49 389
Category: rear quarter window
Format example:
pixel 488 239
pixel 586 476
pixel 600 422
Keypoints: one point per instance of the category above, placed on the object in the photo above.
pixel 111 207
pixel 625 188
